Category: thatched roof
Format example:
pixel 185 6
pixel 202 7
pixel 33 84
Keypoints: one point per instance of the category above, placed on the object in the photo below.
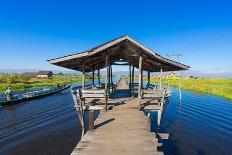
pixel 123 48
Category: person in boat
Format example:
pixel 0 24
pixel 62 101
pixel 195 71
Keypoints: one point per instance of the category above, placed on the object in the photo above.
pixel 9 94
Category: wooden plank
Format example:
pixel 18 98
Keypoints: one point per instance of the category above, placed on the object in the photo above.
pixel 122 130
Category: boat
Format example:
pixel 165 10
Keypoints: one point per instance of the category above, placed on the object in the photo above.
pixel 33 95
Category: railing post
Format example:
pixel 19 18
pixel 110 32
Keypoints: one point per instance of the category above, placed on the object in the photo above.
pixel 149 121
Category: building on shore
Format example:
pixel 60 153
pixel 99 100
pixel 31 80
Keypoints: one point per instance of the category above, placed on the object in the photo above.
pixel 44 74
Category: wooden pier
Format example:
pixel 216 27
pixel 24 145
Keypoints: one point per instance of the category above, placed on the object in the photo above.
pixel 121 130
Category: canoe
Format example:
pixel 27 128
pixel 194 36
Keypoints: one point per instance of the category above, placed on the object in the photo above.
pixel 33 95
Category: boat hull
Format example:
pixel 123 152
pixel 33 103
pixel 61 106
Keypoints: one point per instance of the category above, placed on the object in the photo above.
pixel 24 99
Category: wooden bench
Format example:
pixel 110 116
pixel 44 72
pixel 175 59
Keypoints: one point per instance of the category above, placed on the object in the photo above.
pixel 152 94
pixel 79 97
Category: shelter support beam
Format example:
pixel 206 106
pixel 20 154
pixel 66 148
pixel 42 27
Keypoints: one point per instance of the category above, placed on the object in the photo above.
pixel 93 84
pixel 98 75
pixel 140 77
pixel 106 80
pixel 161 72
pixel 133 76
pixel 83 76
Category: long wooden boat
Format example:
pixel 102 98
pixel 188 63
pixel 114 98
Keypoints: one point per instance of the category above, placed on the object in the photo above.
pixel 33 95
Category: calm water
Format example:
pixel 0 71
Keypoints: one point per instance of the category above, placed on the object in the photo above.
pixel 201 124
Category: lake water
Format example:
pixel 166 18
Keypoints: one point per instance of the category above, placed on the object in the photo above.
pixel 200 124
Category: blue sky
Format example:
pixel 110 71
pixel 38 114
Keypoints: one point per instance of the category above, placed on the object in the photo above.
pixel 33 31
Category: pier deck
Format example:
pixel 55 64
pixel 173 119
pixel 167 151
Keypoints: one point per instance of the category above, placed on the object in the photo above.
pixel 121 130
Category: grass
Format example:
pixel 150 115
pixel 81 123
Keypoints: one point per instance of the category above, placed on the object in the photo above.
pixel 216 86
pixel 20 82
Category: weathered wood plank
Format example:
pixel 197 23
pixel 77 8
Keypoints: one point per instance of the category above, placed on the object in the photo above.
pixel 122 130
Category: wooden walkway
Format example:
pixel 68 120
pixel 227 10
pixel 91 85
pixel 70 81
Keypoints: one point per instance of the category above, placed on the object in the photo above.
pixel 121 130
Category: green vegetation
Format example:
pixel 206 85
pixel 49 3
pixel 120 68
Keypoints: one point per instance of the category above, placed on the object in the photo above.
pixel 22 82
pixel 216 86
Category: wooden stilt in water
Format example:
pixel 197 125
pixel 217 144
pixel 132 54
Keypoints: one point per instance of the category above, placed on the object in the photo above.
pixel 91 120
pixel 149 121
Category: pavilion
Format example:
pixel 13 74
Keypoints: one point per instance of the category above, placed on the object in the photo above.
pixel 121 51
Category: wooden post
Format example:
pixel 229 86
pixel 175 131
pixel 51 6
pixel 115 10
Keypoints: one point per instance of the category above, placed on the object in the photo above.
pixel 109 81
pixel 140 77
pixel 91 120
pixel 161 72
pixel 83 76
pixel 111 78
pixel 130 77
pixel 133 75
pixel 93 85
pixel 148 78
pixel 106 81
pixel 98 75
pixel 149 121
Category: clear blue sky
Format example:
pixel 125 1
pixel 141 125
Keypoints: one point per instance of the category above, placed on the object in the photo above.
pixel 33 31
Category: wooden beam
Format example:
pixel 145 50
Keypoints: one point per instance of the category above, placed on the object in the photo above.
pixel 83 76
pixel 133 76
pixel 93 80
pixel 161 72
pixel 111 76
pixel 106 80
pixel 140 77
pixel 130 76
pixel 98 75
pixel 148 78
